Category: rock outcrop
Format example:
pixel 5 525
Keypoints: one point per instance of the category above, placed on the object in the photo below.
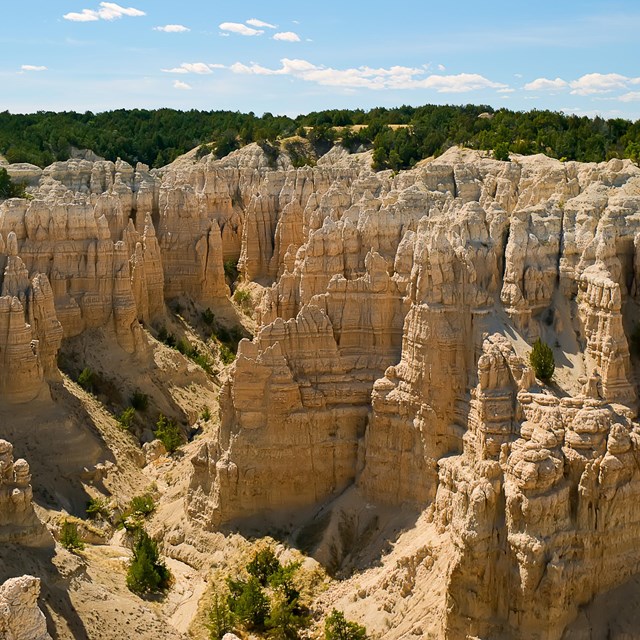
pixel 20 617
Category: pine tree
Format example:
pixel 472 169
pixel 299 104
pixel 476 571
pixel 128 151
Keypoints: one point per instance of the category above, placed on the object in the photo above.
pixel 147 574
pixel 542 360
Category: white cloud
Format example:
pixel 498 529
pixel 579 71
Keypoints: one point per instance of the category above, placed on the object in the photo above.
pixel 396 77
pixel 632 96
pixel 599 83
pixel 178 84
pixel 33 67
pixel 441 67
pixel 240 29
pixel 259 23
pixel 287 36
pixel 107 11
pixel 194 67
pixel 544 84
pixel 172 28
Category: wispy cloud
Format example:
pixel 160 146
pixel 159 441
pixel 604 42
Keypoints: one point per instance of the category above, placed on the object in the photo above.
pixel 33 67
pixel 107 11
pixel 287 36
pixel 178 84
pixel 201 68
pixel 240 29
pixel 632 96
pixel 172 28
pixel 254 22
pixel 397 77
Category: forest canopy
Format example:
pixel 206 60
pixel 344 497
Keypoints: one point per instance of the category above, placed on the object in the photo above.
pixel 400 136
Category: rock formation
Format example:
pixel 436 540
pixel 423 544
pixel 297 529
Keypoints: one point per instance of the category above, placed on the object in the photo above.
pixel 396 319
pixel 20 617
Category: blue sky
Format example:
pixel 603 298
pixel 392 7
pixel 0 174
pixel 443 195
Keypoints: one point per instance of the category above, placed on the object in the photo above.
pixel 294 57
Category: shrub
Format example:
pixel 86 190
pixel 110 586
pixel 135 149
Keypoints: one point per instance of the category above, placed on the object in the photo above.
pixel 86 379
pixel 168 433
pixel 203 361
pixel 146 573
pixel 220 618
pixel 285 619
pixel 142 505
pixel 336 627
pixel 205 414
pixel 243 299
pixel 226 355
pixel 542 361
pixel 139 401
pixel 126 418
pixel 97 509
pixel 69 536
pixel 231 270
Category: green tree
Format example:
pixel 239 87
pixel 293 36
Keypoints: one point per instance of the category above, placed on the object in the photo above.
pixel 168 433
pixel 221 620
pixel 87 379
pixel 336 627
pixel 263 565
pixel 542 360
pixel 146 573
pixel 69 536
pixel 249 603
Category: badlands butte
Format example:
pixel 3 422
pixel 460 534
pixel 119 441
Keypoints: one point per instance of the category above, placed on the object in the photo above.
pixel 381 421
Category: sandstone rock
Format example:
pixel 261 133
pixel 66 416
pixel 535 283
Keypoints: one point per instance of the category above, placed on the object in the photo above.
pixel 20 617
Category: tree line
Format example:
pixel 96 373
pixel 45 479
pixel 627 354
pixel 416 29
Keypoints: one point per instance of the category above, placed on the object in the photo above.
pixel 156 137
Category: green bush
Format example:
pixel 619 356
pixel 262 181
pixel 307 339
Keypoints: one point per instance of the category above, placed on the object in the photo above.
pixel 146 573
pixel 336 627
pixel 542 360
pixel 126 418
pixel 243 299
pixel 231 270
pixel 97 509
pixel 69 536
pixel 205 414
pixel 168 433
pixel 226 355
pixel 142 505
pixel 87 379
pixel 139 401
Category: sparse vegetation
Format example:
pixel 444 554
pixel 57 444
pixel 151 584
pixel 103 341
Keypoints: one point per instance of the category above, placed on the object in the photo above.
pixel 87 380
pixel 97 509
pixel 542 360
pixel 207 317
pixel 336 627
pixel 231 270
pixel 265 601
pixel 125 419
pixel 136 511
pixel 146 573
pixel 243 299
pixel 168 433
pixel 205 414
pixel 69 536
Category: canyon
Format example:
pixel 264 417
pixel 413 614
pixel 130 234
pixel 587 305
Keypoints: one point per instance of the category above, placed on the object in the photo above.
pixel 381 414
